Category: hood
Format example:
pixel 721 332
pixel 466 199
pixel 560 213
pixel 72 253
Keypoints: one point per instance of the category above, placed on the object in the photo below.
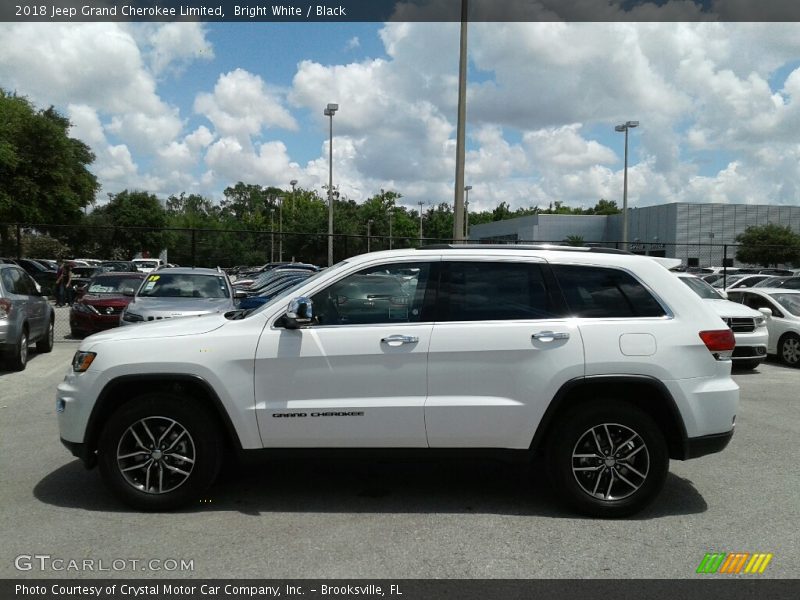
pixel 159 329
pixel 726 308
pixel 175 307
pixel 105 299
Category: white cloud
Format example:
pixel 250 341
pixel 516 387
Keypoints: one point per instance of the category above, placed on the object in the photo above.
pixel 242 105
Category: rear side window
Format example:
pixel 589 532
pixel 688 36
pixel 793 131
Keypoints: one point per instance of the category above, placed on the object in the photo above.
pixel 491 291
pixel 598 292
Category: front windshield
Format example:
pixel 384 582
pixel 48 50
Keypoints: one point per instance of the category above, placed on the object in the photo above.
pixel 791 302
pixel 701 288
pixel 113 285
pixel 184 285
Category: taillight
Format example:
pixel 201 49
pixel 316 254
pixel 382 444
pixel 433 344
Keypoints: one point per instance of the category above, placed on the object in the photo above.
pixel 720 342
pixel 5 308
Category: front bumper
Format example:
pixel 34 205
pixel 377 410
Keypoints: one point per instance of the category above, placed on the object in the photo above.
pixel 81 451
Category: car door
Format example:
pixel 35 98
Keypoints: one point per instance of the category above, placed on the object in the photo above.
pixel 500 349
pixel 357 377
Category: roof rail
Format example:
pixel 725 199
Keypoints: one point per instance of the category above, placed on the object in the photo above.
pixel 593 249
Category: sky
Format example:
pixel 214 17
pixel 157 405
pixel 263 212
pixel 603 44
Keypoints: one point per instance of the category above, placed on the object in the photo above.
pixel 195 108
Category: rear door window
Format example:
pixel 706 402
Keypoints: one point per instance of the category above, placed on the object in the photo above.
pixel 601 292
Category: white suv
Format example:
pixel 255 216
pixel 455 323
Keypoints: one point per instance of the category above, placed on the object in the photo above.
pixel 600 360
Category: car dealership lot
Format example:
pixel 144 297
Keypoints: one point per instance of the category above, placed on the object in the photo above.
pixel 396 519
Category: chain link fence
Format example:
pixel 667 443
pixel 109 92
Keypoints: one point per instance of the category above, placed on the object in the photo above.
pixel 229 249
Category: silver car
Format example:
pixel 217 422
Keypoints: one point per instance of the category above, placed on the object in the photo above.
pixel 25 317
pixel 180 292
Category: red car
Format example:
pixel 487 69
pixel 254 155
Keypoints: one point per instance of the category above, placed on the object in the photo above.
pixel 106 296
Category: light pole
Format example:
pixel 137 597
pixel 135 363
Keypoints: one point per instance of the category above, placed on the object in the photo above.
pixel 272 235
pixel 458 204
pixel 293 183
pixel 467 188
pixel 369 232
pixel 391 214
pixel 329 111
pixel 420 222
pixel 620 128
pixel 280 228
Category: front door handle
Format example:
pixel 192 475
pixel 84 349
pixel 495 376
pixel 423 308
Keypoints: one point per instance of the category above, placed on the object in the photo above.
pixel 397 340
pixel 549 336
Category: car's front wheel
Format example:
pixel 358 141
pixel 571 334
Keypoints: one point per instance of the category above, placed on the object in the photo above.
pixel 789 349
pixel 160 451
pixel 45 344
pixel 607 459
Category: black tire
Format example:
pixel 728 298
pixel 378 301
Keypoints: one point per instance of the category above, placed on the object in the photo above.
pixel 45 344
pixel 789 350
pixel 587 483
pixel 18 358
pixel 184 431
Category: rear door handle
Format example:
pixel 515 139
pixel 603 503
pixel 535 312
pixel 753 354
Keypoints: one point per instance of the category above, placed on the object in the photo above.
pixel 549 336
pixel 397 340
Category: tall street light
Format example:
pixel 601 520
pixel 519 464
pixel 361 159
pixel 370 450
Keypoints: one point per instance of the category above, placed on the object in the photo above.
pixel 369 232
pixel 620 128
pixel 391 214
pixel 329 111
pixel 293 183
pixel 420 222
pixel 467 188
pixel 458 204
pixel 280 228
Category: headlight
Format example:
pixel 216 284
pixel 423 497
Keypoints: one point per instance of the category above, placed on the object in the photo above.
pixel 760 321
pixel 132 317
pixel 82 360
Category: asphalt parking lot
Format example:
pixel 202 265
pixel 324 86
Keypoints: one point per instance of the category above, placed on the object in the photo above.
pixel 398 519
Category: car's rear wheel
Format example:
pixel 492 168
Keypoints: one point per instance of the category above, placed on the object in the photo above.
pixel 607 459
pixel 45 344
pixel 160 451
pixel 789 349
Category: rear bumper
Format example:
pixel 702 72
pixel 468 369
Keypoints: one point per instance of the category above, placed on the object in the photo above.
pixel 707 444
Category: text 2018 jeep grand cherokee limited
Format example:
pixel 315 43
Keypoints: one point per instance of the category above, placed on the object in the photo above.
pixel 599 360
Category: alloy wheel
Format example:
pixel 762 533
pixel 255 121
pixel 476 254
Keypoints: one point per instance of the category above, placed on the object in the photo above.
pixel 156 455
pixel 610 461
pixel 790 350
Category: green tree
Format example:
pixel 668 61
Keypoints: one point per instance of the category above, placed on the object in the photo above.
pixel 133 222
pixel 574 240
pixel 604 207
pixel 768 245
pixel 43 172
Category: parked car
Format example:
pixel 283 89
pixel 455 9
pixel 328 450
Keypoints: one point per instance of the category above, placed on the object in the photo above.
pixel 749 326
pixel 741 281
pixel 25 317
pixel 146 265
pixel 272 290
pixel 782 309
pixel 791 282
pixel 120 266
pixel 180 292
pixel 106 296
pixel 44 276
pixel 81 276
pixel 595 359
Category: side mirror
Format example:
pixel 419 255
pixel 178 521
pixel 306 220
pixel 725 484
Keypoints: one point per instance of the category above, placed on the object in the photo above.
pixel 723 293
pixel 299 313
pixel 767 312
pixel 239 294
pixel 128 291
